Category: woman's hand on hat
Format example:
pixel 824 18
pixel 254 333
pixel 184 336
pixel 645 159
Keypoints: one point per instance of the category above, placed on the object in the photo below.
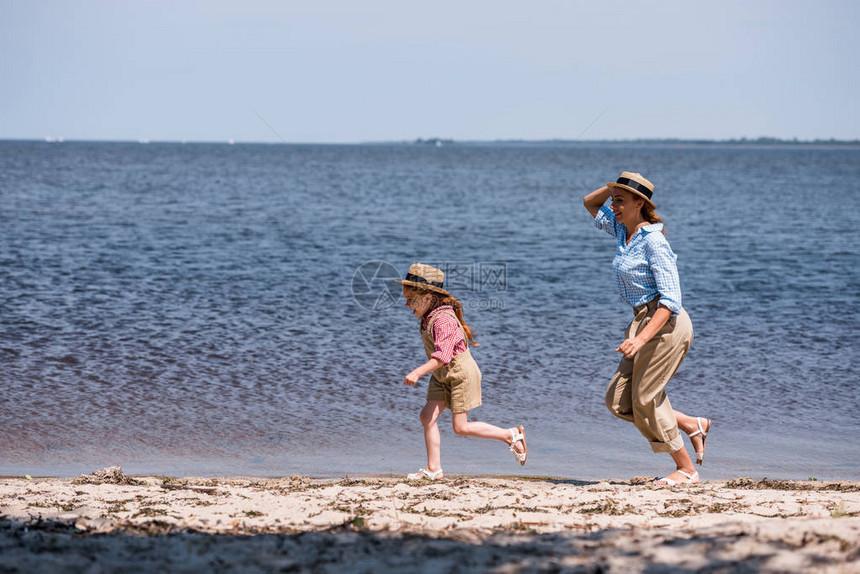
pixel 630 347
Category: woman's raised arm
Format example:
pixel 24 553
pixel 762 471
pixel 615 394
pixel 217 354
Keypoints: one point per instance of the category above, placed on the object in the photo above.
pixel 594 200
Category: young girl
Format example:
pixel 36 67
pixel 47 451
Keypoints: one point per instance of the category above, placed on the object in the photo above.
pixel 456 379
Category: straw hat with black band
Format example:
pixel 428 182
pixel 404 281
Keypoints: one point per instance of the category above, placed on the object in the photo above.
pixel 425 277
pixel 634 183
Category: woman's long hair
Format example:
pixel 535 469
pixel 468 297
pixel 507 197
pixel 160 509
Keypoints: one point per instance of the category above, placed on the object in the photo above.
pixel 439 300
pixel 650 215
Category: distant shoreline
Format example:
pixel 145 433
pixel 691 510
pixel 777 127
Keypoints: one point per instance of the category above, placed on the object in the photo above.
pixel 444 142
pixel 769 141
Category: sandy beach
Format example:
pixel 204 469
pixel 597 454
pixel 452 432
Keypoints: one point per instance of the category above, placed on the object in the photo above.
pixel 108 521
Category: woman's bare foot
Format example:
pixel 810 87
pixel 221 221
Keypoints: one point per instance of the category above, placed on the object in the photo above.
pixel 685 473
pixel 699 431
pixel 680 476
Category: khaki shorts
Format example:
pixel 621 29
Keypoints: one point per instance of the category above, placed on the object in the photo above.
pixel 461 390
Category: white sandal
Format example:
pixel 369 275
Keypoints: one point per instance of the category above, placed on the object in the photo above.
pixel 422 474
pixel 691 479
pixel 519 435
pixel 700 454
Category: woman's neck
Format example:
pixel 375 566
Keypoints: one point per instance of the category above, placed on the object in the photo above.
pixel 633 226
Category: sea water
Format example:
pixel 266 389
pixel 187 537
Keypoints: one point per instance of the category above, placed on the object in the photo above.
pixel 215 309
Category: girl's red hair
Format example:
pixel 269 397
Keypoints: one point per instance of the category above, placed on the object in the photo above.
pixel 439 300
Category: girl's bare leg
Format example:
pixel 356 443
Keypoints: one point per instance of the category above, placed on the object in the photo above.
pixel 432 440
pixel 462 426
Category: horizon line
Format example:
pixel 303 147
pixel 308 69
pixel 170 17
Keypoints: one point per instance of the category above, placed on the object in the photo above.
pixel 451 141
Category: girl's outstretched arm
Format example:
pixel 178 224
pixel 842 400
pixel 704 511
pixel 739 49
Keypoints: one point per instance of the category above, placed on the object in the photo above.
pixel 427 367
pixel 594 200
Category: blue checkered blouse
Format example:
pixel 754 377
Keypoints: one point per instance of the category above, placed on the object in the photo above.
pixel 645 267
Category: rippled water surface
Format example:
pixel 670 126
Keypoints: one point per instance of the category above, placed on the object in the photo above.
pixel 189 309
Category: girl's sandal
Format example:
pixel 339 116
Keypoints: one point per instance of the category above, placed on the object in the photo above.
pixel 700 454
pixel 691 479
pixel 423 473
pixel 519 435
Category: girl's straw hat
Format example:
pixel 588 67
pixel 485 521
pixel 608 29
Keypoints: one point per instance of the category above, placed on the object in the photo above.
pixel 635 183
pixel 425 277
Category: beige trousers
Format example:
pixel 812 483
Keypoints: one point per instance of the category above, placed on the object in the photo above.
pixel 636 392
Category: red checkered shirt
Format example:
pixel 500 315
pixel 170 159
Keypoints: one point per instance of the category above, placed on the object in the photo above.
pixel 447 335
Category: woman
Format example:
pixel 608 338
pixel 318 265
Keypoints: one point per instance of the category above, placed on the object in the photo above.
pixel 657 338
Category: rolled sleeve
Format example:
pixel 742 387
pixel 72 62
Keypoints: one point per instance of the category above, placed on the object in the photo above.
pixel 663 263
pixel 446 333
pixel 605 220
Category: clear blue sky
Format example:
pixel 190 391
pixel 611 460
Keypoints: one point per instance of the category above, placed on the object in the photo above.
pixel 349 71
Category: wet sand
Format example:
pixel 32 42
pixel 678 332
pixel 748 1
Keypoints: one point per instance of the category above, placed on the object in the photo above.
pixel 109 522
